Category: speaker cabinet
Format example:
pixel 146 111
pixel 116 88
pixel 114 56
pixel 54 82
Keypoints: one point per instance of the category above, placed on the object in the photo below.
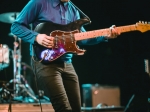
pixel 98 95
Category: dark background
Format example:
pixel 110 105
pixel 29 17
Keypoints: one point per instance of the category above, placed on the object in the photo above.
pixel 117 62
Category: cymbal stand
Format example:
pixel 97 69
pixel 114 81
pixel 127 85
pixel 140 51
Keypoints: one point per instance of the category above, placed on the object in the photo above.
pixel 20 84
pixel 16 66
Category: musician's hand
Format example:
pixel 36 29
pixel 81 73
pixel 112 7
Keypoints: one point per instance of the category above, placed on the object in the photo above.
pixel 44 40
pixel 113 32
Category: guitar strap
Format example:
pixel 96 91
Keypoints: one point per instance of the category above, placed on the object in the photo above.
pixel 81 12
pixel 33 53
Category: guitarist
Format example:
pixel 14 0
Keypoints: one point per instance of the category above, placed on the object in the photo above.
pixel 58 78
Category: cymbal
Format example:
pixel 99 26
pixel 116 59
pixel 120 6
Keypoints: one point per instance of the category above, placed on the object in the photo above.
pixel 8 17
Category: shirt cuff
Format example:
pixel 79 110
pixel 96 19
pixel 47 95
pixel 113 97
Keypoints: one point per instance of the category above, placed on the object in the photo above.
pixel 34 36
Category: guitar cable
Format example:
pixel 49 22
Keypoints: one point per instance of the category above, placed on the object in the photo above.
pixel 36 83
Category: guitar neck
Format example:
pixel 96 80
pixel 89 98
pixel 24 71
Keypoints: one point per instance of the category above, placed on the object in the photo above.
pixel 103 32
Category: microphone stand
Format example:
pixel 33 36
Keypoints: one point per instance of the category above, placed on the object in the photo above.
pixel 5 92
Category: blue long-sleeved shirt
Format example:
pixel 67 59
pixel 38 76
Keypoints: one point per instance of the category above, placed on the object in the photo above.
pixel 37 11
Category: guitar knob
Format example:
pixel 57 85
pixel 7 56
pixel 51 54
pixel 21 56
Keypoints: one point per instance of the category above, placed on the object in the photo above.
pixel 77 46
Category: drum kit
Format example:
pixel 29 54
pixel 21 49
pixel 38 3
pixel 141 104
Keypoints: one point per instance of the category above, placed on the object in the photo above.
pixel 21 88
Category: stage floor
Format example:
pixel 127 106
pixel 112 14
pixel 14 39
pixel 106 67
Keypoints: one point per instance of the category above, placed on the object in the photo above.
pixel 47 107
pixel 27 107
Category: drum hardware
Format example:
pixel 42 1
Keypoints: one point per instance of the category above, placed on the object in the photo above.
pixel 21 86
pixel 40 92
pixel 5 92
pixel 4 56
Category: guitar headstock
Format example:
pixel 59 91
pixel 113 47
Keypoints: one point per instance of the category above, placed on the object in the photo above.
pixel 143 26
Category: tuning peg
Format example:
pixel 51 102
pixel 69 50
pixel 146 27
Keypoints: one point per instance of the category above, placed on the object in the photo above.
pixel 139 21
pixel 145 22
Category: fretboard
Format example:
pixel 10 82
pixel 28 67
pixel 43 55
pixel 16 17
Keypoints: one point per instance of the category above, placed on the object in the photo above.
pixel 103 32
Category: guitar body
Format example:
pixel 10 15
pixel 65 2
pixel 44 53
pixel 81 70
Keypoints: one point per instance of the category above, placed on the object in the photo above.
pixel 64 41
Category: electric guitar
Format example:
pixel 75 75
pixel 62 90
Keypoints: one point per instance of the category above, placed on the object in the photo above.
pixel 66 36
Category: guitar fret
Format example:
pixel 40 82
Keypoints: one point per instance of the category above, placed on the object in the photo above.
pixel 91 34
pixel 126 28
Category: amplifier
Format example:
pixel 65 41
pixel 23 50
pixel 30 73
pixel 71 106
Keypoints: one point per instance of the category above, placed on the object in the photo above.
pixel 100 95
